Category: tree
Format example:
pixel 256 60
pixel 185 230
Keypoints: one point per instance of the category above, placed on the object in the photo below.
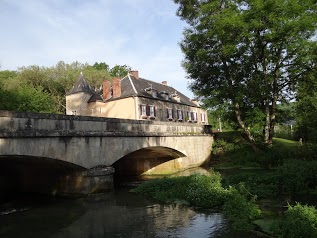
pixel 306 109
pixel 120 71
pixel 101 66
pixel 248 54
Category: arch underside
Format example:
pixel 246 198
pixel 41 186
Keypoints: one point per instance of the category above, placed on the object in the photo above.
pixel 148 161
pixel 29 174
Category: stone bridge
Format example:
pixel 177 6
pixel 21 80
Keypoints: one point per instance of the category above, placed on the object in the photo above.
pixel 85 151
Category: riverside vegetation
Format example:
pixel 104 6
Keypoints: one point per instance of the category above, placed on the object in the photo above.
pixel 254 190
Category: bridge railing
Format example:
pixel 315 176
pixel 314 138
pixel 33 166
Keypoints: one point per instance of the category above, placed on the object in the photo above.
pixel 17 124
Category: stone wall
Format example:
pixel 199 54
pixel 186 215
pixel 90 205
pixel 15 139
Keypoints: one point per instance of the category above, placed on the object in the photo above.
pixel 14 124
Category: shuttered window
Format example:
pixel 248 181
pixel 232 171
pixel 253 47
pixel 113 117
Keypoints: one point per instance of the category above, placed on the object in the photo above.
pixel 170 113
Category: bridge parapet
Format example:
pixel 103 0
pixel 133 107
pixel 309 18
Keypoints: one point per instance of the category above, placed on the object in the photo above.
pixel 17 124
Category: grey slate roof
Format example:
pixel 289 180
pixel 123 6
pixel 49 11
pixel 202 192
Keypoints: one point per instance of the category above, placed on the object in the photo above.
pixel 131 86
pixel 81 85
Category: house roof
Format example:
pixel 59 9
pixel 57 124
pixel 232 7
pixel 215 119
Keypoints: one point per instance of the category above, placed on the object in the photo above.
pixel 81 85
pixel 130 86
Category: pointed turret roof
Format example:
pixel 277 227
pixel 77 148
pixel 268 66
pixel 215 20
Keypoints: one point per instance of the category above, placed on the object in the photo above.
pixel 81 85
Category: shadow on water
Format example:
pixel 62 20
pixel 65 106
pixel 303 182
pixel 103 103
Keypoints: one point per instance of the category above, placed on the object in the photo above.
pixel 115 214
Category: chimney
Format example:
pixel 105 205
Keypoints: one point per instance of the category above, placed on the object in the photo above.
pixel 116 87
pixel 164 83
pixel 135 74
pixel 106 93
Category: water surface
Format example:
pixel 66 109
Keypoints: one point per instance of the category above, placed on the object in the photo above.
pixel 115 214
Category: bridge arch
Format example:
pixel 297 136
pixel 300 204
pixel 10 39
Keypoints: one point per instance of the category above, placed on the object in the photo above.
pixel 148 161
pixel 37 175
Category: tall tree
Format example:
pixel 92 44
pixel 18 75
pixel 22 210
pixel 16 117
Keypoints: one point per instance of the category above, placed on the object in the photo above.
pixel 248 54
pixel 119 70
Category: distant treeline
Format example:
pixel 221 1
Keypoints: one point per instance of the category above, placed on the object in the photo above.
pixel 42 89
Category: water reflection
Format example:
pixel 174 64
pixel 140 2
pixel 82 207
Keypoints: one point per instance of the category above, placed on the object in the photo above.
pixel 118 214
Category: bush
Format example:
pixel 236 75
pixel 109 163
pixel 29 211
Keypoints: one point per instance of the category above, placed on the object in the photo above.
pixel 240 210
pixel 205 191
pixel 263 184
pixel 298 221
pixel 297 176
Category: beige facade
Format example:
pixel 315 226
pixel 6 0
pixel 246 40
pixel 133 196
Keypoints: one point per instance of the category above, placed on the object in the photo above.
pixel 134 98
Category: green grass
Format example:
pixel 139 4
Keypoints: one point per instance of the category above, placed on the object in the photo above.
pixel 284 142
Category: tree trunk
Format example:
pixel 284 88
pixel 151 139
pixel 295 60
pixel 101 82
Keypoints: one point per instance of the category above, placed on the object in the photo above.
pixel 267 123
pixel 244 128
pixel 273 112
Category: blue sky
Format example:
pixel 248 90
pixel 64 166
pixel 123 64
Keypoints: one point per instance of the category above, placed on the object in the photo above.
pixel 143 34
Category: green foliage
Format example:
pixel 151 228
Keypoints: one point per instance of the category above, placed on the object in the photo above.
pixel 27 99
pixel 264 184
pixel 240 210
pixel 249 54
pixel 119 71
pixel 297 176
pixel 101 66
pixel 298 222
pixel 49 84
pixel 306 109
pixel 205 191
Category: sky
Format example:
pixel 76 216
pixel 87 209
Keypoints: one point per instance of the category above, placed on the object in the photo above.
pixel 143 34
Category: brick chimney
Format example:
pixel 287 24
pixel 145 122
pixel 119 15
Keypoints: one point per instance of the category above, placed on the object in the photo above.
pixel 135 74
pixel 116 87
pixel 164 83
pixel 106 93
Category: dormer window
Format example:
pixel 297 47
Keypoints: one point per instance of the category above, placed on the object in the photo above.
pixel 164 94
pixel 151 91
pixel 176 97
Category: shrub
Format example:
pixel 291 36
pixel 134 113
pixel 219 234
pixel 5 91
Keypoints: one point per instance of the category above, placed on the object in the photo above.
pixel 240 210
pixel 297 176
pixel 298 221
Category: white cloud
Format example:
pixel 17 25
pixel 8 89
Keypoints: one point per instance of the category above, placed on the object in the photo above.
pixel 139 33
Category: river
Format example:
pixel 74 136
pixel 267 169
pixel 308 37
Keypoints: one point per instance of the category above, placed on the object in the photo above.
pixel 115 214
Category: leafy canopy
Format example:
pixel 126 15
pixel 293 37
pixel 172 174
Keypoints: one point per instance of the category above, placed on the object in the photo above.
pixel 248 54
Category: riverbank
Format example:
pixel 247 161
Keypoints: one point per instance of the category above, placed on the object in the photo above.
pixel 256 191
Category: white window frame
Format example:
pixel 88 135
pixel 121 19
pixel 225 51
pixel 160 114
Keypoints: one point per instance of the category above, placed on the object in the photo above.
pixel 195 116
pixel 170 113
pixel 203 119
pixel 179 115
pixel 189 115
pixel 152 111
pixel 143 111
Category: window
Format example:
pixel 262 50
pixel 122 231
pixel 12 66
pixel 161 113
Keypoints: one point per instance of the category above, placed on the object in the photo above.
pixel 170 114
pixel 143 111
pixel 194 116
pixel 203 119
pixel 152 111
pixel 179 115
pixel 189 116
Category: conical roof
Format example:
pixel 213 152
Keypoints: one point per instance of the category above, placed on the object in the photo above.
pixel 81 85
